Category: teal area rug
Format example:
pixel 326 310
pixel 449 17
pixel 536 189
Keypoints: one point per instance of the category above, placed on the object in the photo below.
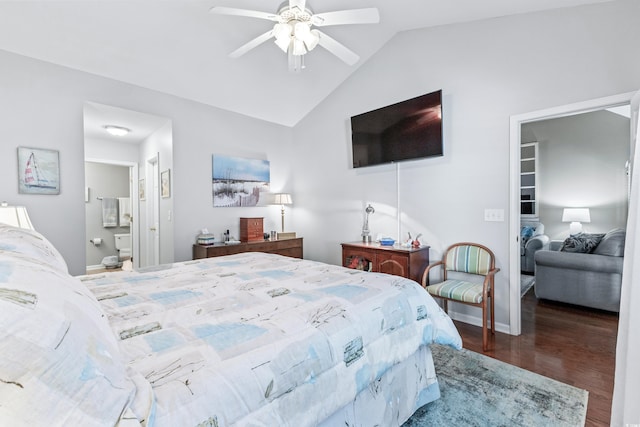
pixel 477 390
pixel 526 283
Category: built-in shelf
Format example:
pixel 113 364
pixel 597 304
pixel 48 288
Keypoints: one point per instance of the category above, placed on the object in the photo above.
pixel 529 193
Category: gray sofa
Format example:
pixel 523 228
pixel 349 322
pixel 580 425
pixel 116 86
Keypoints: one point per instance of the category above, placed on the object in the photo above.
pixel 587 276
pixel 532 240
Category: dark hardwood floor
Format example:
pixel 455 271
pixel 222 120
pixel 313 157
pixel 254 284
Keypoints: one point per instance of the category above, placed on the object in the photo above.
pixel 570 344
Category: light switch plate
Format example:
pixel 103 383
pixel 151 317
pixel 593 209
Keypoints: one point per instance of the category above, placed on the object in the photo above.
pixel 495 215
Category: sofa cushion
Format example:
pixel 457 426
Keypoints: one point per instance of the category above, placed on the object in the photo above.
pixel 581 243
pixel 612 243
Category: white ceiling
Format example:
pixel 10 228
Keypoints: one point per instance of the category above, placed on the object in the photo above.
pixel 97 116
pixel 178 47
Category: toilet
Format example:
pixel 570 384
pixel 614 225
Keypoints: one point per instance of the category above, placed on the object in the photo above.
pixel 123 246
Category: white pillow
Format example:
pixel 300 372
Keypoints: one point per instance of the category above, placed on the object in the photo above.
pixel 59 360
pixel 32 244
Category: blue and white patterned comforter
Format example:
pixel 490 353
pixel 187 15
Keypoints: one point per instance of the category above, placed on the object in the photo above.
pixel 264 340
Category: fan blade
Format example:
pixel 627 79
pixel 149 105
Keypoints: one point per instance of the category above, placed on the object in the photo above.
pixel 221 10
pixel 337 48
pixel 344 17
pixel 252 44
pixel 301 4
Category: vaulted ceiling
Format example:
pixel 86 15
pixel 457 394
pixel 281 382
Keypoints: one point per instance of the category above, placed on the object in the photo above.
pixel 178 47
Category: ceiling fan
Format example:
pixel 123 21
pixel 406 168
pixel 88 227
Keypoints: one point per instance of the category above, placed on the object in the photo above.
pixel 294 33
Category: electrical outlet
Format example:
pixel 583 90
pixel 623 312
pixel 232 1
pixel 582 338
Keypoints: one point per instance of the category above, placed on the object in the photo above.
pixel 494 215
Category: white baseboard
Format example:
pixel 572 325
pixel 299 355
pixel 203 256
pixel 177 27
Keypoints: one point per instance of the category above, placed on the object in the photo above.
pixel 477 321
pixel 95 267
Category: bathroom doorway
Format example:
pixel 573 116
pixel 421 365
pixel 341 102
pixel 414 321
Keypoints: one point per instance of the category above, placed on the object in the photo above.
pixel 125 152
pixel 109 224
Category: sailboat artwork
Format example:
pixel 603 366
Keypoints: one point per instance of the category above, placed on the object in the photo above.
pixel 38 171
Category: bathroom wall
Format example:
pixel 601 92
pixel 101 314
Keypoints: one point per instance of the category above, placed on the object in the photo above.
pixel 103 180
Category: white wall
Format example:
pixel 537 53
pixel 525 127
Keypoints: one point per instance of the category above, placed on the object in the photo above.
pixel 41 105
pixel 581 161
pixel 488 71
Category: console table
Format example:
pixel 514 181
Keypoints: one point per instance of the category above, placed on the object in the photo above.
pixel 286 247
pixel 405 262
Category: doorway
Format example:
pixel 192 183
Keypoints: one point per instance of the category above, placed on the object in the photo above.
pixel 514 226
pixel 141 136
pixel 109 189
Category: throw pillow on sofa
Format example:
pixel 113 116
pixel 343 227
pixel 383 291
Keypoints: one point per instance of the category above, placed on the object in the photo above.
pixel 581 243
pixel 612 243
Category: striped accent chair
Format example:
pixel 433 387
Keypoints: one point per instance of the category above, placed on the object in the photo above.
pixel 470 259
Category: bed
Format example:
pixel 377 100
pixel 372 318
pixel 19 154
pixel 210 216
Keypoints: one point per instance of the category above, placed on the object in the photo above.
pixel 251 339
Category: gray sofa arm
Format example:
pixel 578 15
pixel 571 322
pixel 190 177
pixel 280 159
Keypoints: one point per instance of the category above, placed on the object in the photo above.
pixel 579 261
pixel 536 243
pixel 533 245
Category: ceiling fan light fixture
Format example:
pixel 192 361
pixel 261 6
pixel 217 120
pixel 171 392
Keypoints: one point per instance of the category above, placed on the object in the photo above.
pixel 298 47
pixel 293 31
pixel 312 41
pixel 283 44
pixel 282 34
pixel 303 32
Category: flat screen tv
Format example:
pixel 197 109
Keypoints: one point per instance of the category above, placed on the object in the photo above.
pixel 408 130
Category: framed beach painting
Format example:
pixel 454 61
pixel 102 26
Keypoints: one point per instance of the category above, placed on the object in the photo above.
pixel 238 181
pixel 38 171
pixel 165 184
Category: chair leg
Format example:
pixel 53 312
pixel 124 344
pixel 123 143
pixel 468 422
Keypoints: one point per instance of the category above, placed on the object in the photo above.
pixel 485 335
pixel 493 317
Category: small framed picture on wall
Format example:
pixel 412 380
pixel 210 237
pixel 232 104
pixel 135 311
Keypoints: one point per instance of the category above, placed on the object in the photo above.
pixel 141 189
pixel 165 184
pixel 38 171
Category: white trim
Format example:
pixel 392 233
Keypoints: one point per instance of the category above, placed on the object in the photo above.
pixel 476 321
pixel 514 186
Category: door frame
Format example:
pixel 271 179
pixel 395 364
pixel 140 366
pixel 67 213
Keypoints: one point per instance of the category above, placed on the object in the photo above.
pixel 153 211
pixel 515 127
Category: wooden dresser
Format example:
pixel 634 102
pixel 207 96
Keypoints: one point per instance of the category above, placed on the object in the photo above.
pixel 405 262
pixel 286 247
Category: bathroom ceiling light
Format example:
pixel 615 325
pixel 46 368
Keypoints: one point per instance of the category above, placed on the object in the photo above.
pixel 116 130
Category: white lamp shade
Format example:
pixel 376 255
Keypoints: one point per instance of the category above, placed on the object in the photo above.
pixel 576 215
pixel 282 34
pixel 282 199
pixel 312 41
pixel 16 216
pixel 298 47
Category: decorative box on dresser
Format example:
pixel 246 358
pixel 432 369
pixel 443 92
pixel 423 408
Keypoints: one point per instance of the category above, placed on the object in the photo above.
pixel 251 230
pixel 286 247
pixel 405 262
